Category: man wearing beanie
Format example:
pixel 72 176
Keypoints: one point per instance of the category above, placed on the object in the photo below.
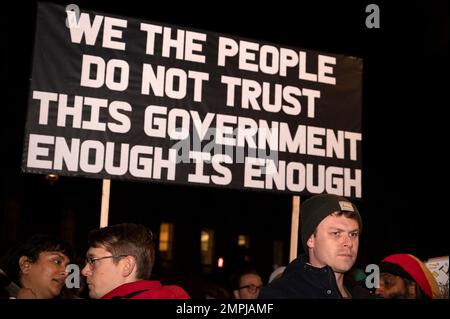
pixel 403 276
pixel 329 227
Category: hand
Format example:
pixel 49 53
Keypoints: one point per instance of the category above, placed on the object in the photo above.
pixel 26 293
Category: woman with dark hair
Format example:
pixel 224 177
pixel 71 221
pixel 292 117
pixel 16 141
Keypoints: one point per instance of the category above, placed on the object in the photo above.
pixel 38 266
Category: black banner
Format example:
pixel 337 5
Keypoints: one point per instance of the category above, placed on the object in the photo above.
pixel 121 98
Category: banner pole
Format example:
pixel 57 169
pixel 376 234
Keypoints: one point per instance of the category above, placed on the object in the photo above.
pixel 294 227
pixel 105 203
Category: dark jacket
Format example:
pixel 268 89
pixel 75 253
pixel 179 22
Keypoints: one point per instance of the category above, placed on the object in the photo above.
pixel 301 281
pixel 8 288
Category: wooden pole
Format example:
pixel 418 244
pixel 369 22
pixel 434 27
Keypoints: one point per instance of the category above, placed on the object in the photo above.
pixel 294 227
pixel 105 203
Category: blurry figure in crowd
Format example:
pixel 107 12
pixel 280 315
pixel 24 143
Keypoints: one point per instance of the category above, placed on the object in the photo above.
pixel 7 287
pixel 330 230
pixel 214 291
pixel 358 275
pixel 119 263
pixel 36 268
pixel 247 285
pixel 403 276
pixel 277 273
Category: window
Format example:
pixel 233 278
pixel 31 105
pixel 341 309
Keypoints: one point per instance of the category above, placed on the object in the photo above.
pixel 166 241
pixel 244 241
pixel 206 246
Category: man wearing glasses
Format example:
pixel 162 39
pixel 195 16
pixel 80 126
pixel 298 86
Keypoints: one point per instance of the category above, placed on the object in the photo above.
pixel 119 263
pixel 247 285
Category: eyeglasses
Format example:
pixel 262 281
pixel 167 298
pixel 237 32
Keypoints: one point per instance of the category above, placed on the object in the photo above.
pixel 91 260
pixel 252 288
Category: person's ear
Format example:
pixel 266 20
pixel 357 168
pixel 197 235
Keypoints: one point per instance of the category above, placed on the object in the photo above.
pixel 310 241
pixel 236 294
pixel 24 264
pixel 129 264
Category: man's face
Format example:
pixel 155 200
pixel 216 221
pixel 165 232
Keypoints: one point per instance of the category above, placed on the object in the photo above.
pixel 102 275
pixel 47 275
pixel 392 287
pixel 251 285
pixel 335 243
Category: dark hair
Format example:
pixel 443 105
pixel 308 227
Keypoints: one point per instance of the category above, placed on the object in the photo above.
pixel 419 292
pixel 236 277
pixel 127 239
pixel 31 248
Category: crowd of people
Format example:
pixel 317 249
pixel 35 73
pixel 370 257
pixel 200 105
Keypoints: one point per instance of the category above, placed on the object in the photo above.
pixel 120 259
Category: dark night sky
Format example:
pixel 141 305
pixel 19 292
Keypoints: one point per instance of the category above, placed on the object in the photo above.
pixel 403 100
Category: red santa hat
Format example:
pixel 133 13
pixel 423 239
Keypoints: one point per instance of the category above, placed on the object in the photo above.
pixel 416 270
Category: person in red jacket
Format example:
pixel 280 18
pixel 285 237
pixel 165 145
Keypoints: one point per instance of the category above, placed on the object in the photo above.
pixel 119 263
pixel 404 276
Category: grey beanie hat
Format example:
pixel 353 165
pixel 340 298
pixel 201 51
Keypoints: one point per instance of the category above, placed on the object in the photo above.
pixel 317 208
